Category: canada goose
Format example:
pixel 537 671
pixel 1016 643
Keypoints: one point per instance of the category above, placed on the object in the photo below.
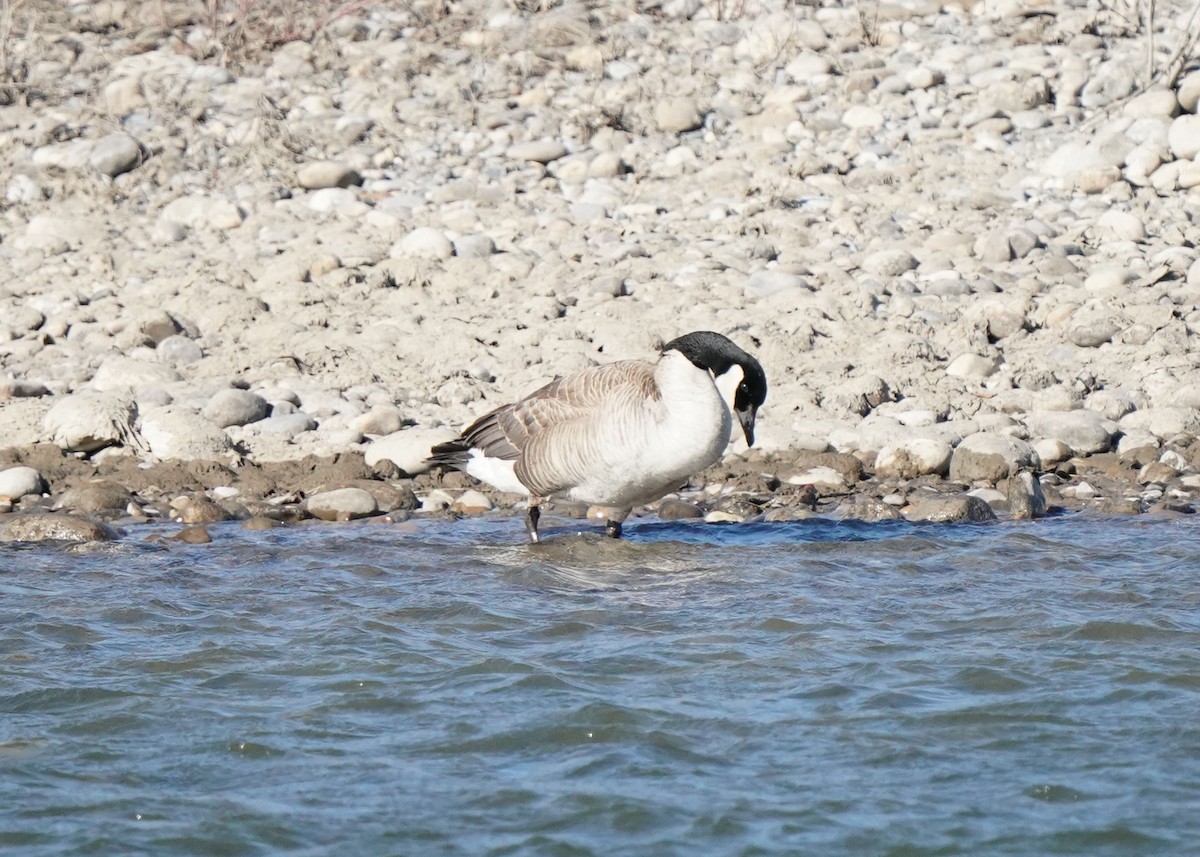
pixel 614 436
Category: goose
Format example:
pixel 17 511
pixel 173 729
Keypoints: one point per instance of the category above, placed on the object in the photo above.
pixel 613 436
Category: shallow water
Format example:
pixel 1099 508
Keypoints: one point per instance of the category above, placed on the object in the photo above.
pixel 438 688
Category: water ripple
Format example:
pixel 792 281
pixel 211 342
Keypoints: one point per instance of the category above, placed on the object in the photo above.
pixel 815 687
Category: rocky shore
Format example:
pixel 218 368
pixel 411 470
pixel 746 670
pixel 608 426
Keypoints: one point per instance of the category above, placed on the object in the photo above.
pixel 254 267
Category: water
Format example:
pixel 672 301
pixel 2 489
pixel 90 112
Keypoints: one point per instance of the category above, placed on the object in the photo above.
pixel 446 689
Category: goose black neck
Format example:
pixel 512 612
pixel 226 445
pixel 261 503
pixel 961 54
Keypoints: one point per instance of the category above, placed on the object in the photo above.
pixel 710 351
pixel 717 354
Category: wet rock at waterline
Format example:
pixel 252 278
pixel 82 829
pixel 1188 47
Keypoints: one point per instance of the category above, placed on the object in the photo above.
pixel 54 527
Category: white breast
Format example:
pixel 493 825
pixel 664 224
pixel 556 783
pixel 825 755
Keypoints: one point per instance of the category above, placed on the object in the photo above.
pixel 651 447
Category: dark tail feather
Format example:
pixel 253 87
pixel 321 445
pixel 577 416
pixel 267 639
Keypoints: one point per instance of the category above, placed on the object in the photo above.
pixel 454 454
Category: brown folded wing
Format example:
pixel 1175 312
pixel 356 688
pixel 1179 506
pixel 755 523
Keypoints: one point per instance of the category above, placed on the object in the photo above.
pixel 558 433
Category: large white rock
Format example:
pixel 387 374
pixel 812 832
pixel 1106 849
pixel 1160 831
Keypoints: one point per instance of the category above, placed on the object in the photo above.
pixel 91 420
pixel 1184 136
pixel 173 431
pixel 990 457
pixel 1086 432
pixel 908 459
pixel 342 504
pixel 19 481
pixel 1163 422
pixel 119 372
pixel 407 449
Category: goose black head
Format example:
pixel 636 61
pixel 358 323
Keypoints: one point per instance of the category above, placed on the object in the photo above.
pixel 717 354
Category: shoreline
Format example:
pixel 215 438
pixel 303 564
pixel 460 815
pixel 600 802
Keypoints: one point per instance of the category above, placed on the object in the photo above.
pixel 123 492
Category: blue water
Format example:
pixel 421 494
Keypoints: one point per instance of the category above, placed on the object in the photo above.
pixel 445 689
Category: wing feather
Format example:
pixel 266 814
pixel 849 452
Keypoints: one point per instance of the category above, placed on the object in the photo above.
pixel 559 433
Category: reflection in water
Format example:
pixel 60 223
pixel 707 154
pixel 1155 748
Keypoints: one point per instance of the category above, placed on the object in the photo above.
pixel 816 687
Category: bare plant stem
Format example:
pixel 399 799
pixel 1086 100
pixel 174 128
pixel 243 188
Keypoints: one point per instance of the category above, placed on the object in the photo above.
pixel 1149 41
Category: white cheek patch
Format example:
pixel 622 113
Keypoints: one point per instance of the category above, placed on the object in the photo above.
pixel 727 385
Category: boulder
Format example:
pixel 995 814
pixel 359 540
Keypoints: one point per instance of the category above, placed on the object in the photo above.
pixel 990 457
pixel 55 526
pixel 944 508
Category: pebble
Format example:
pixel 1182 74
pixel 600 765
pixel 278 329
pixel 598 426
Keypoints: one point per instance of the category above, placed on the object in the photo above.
pixel 260 523
pixel 1134 439
pixel 1188 92
pixel 55 526
pixel 425 242
pixel 677 115
pixel 235 407
pixel 471 502
pixel 327 174
pixel 16 482
pixel 115 154
pixel 1091 330
pixel 474 246
pixel 159 325
pixel 204 213
pixel 192 535
pixel 197 509
pixel 1123 225
pixel 1025 497
pixel 822 478
pixel 123 96
pixel 1081 491
pixel 341 504
pixel 771 282
pixel 673 509
pixel 178 350
pixel 408 449
pixel 379 421
pixel 285 425
pixel 436 500
pixel 1051 451
pixel 971 366
pixel 1183 136
pixel 889 263
pixel 538 151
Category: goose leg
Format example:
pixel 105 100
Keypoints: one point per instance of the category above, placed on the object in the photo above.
pixel 613 529
pixel 531 523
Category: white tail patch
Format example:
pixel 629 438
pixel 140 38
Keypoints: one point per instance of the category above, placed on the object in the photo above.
pixel 497 472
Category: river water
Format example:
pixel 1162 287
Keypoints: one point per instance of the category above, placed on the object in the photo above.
pixel 446 689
